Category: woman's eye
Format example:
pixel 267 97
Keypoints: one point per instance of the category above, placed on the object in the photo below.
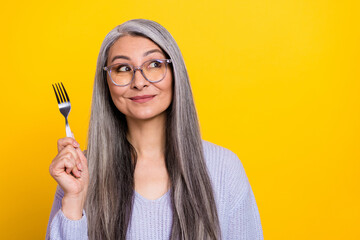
pixel 123 68
pixel 155 64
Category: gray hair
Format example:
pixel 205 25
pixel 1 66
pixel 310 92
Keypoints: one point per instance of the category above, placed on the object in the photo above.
pixel 111 166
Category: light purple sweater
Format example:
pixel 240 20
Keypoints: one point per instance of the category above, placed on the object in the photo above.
pixel 151 219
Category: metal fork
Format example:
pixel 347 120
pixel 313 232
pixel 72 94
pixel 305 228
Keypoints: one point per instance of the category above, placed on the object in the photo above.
pixel 64 105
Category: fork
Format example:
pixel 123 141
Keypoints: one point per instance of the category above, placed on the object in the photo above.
pixel 64 105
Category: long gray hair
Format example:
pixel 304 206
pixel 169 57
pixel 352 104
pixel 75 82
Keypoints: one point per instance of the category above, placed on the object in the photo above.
pixel 111 166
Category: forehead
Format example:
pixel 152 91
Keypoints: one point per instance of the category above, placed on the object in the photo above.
pixel 132 46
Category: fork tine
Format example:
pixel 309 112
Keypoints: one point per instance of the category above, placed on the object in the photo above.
pixel 67 97
pixel 62 93
pixel 59 93
pixel 57 98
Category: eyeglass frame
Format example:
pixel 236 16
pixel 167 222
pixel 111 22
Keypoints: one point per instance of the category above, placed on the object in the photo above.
pixel 108 70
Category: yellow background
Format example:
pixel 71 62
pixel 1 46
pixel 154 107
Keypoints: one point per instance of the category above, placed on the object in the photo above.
pixel 277 82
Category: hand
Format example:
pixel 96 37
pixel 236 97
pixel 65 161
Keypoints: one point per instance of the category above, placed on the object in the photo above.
pixel 70 171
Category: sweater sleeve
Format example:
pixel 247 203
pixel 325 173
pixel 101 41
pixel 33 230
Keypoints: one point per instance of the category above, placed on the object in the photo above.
pixel 244 220
pixel 243 214
pixel 62 228
pixel 238 213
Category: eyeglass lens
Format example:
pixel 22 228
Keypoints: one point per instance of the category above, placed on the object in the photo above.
pixel 153 71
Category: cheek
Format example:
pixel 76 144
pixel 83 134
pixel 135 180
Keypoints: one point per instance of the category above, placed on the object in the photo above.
pixel 171 91
pixel 116 94
pixel 168 86
pixel 166 94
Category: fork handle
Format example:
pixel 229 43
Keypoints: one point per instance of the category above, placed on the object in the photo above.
pixel 68 131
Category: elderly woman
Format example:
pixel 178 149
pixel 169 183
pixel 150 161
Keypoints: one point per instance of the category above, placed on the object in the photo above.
pixel 147 174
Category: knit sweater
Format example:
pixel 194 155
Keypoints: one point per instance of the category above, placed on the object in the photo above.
pixel 152 219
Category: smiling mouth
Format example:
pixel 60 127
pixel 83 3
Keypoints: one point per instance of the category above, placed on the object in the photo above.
pixel 142 99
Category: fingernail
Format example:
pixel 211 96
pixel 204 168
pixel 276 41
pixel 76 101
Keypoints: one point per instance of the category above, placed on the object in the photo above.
pixel 76 144
pixel 79 166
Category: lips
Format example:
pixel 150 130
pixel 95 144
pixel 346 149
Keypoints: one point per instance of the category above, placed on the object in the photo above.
pixel 143 98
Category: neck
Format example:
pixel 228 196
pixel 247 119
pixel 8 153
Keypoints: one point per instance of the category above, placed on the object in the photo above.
pixel 148 136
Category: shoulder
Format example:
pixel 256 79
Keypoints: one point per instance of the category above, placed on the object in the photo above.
pixel 226 172
pixel 217 158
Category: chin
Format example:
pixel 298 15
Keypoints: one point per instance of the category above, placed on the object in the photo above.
pixel 144 115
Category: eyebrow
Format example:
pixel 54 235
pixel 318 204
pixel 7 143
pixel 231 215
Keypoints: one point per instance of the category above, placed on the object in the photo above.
pixel 144 55
pixel 120 57
pixel 152 51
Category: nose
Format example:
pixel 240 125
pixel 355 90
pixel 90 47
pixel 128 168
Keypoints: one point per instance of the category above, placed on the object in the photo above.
pixel 139 81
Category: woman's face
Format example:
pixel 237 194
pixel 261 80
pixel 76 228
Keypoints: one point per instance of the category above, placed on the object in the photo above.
pixel 141 99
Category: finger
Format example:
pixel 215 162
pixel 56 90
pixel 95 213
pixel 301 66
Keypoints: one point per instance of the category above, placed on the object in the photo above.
pixel 70 167
pixel 78 155
pixel 69 152
pixel 63 142
pixel 83 160
pixel 69 149
pixel 75 155
pixel 66 161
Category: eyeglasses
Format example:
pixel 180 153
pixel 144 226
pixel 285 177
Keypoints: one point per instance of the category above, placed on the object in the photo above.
pixel 122 74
